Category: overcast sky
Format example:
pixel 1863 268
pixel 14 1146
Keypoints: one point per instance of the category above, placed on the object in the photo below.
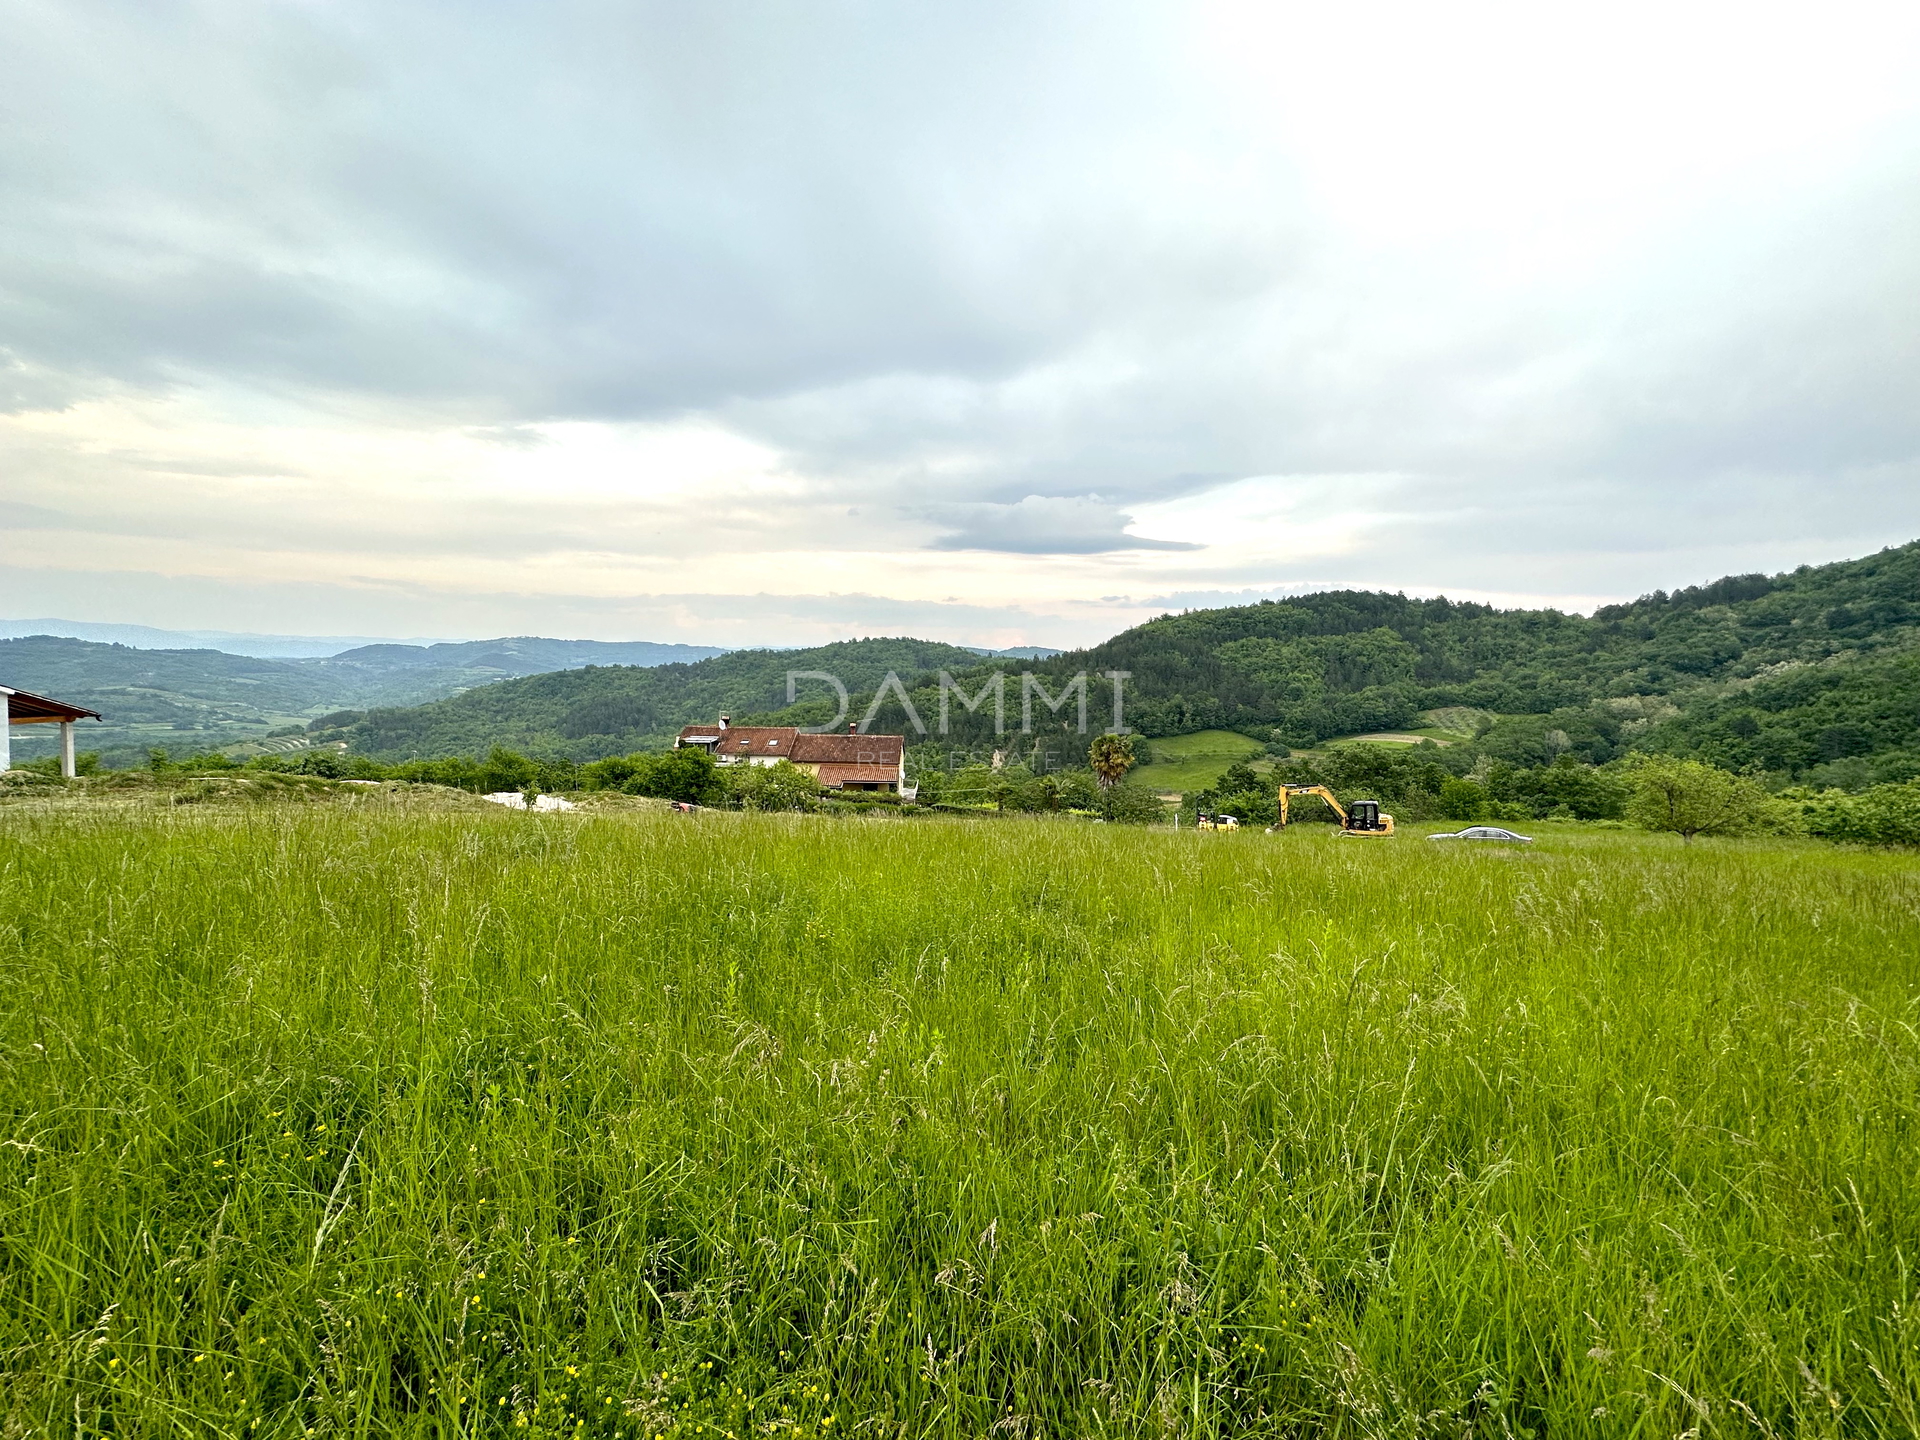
pixel 736 322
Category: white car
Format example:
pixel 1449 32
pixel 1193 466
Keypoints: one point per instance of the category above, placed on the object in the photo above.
pixel 1483 832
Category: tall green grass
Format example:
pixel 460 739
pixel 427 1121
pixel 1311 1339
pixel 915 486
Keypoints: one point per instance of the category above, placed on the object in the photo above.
pixel 351 1124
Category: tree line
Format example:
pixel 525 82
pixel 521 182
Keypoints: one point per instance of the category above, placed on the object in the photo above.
pixel 1653 791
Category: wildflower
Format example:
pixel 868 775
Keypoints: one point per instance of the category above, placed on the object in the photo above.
pixel 319 1129
pixel 573 1239
pixel 573 1369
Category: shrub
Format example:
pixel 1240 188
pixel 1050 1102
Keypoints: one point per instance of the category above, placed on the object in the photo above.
pixel 1249 807
pixel 1565 788
pixel 612 773
pixel 503 769
pixel 1127 804
pixel 1077 790
pixel 1884 815
pixel 684 774
pixel 780 786
pixel 1041 792
pixel 1462 800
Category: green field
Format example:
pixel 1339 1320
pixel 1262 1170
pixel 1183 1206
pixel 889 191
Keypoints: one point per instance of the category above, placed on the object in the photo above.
pixel 360 1121
pixel 1193 762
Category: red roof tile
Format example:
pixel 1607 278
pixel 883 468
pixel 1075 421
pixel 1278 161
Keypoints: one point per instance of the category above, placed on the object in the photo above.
pixel 833 776
pixel 849 749
pixel 743 740
pixel 777 741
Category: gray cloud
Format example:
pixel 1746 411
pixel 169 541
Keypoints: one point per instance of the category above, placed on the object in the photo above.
pixel 597 210
pixel 1042 525
pixel 1012 274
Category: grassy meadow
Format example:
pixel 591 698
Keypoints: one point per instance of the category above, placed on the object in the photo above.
pixel 1193 762
pixel 350 1121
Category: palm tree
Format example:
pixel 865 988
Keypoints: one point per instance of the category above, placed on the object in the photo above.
pixel 1111 757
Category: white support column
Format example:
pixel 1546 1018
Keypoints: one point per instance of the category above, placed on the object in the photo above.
pixel 6 730
pixel 66 748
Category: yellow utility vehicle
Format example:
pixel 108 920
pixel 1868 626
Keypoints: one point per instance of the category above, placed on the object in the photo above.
pixel 1364 819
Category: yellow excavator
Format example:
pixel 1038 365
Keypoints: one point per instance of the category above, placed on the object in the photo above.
pixel 1364 819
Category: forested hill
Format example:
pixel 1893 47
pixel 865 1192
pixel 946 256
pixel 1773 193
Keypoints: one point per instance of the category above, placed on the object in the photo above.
pixel 1341 662
pixel 1788 673
pixel 604 710
pixel 1784 672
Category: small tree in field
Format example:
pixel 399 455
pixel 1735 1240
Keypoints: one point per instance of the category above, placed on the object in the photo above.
pixel 1686 798
pixel 1111 756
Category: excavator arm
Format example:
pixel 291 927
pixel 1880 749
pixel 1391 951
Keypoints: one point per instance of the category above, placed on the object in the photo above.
pixel 1366 819
pixel 1322 791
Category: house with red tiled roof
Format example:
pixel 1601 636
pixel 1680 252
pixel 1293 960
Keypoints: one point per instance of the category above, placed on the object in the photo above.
pixel 839 762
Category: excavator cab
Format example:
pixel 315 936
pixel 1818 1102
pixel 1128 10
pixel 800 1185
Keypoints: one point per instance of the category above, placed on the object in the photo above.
pixel 1364 818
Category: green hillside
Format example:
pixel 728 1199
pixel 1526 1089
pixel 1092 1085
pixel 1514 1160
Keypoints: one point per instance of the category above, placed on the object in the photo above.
pixel 1849 721
pixel 1810 674
pixel 186 699
pixel 412 674
pixel 606 710
pixel 208 699
pixel 1345 662
pixel 1193 762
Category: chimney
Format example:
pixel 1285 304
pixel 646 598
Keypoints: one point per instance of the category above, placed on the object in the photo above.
pixel 725 720
pixel 852 728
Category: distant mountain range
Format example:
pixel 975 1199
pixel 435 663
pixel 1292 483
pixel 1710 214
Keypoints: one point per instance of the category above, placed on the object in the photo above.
pixel 312 647
pixel 199 699
pixel 156 690
pixel 233 642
